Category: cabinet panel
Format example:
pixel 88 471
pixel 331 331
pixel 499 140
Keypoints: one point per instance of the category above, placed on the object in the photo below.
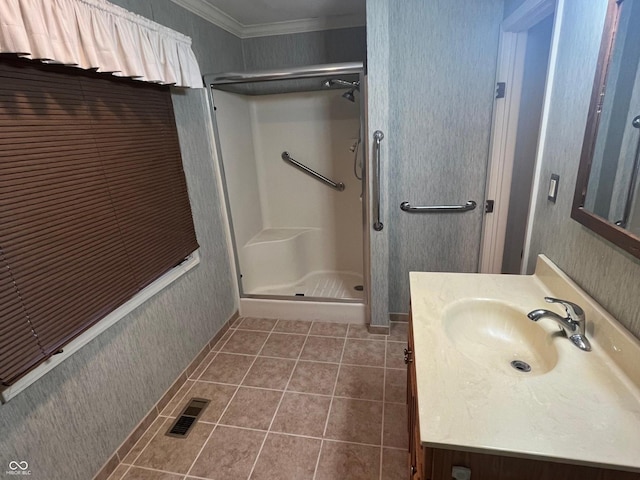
pixel 436 464
pixel 417 459
pixel 495 467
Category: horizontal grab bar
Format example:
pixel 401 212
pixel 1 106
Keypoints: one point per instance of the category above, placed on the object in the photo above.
pixel 336 186
pixel 470 205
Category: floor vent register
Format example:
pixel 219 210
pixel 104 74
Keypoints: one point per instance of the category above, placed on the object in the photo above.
pixel 188 418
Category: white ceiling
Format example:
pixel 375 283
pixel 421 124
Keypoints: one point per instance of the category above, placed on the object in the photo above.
pixel 259 12
pixel 254 18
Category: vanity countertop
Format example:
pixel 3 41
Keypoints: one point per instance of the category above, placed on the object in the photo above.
pixel 584 410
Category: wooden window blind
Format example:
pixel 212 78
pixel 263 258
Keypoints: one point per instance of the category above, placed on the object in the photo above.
pixel 93 203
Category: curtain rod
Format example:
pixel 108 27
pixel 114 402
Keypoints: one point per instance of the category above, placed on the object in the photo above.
pixel 283 74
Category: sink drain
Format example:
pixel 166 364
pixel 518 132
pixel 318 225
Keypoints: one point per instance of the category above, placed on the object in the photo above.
pixel 358 288
pixel 521 366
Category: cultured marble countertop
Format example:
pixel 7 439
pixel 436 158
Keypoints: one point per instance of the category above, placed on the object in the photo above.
pixel 586 410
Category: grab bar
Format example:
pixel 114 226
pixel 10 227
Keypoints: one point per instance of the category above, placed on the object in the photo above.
pixel 470 205
pixel 377 138
pixel 336 186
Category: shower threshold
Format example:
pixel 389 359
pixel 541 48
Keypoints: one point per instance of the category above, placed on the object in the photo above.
pixel 329 285
pixel 321 310
pixel 320 301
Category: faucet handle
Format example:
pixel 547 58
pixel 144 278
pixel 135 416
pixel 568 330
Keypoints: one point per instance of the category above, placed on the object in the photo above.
pixel 575 312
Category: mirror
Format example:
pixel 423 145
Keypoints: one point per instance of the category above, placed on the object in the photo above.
pixel 607 195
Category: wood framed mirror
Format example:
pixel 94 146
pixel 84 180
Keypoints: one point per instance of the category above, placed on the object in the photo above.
pixel 607 194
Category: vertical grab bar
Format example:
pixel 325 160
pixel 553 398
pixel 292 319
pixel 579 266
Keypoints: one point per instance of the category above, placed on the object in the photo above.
pixel 377 138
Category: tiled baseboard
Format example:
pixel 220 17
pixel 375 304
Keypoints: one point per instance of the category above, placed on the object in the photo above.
pixel 126 446
pixel 378 329
pixel 399 317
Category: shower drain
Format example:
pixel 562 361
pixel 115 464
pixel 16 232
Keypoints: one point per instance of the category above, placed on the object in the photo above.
pixel 521 366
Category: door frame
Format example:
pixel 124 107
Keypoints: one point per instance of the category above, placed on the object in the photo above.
pixel 510 70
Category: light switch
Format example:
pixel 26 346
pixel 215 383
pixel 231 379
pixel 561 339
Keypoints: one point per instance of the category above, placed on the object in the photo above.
pixel 553 188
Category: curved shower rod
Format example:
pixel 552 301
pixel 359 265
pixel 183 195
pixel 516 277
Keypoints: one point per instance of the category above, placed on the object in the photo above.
pixel 283 74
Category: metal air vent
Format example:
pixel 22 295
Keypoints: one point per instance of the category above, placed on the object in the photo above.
pixel 187 419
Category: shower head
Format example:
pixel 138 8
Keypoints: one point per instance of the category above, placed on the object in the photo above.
pixel 352 86
pixel 349 95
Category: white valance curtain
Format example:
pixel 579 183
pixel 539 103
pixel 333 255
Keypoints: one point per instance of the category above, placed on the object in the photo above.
pixel 95 34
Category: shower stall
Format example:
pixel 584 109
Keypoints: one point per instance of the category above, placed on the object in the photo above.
pixel 292 167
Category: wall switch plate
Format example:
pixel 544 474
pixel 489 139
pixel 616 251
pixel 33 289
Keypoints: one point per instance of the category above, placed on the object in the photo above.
pixel 553 188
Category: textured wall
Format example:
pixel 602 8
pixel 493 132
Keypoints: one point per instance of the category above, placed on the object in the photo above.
pixel 604 271
pixel 377 258
pixel 70 421
pixel 443 58
pixel 311 48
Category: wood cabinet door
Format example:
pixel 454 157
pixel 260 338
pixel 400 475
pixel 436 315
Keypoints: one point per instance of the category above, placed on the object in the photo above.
pixel 416 465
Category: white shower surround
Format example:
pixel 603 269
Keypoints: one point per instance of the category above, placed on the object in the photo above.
pixel 283 261
pixel 288 226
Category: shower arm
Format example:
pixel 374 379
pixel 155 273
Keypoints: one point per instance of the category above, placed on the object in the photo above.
pixel 342 83
pixel 336 186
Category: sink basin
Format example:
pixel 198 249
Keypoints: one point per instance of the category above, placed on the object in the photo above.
pixel 573 407
pixel 498 335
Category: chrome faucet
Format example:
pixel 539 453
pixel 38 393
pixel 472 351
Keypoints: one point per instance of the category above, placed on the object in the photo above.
pixel 574 325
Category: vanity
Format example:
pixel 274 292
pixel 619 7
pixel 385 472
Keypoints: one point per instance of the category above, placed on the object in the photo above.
pixel 494 395
pixel 505 386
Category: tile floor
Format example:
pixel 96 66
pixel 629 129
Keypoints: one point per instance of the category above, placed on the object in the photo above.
pixel 289 400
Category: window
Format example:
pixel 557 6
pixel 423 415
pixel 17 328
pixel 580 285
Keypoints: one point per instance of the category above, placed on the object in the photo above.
pixel 93 203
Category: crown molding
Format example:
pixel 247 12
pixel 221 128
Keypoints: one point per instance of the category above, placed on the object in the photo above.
pixel 302 26
pixel 219 18
pixel 213 15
